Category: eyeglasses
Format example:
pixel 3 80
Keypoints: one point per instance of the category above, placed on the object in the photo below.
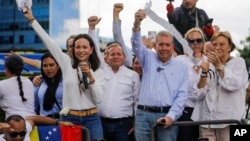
pixel 15 134
pixel 192 41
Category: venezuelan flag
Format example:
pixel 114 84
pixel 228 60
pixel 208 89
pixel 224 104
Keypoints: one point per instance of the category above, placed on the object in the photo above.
pixel 56 133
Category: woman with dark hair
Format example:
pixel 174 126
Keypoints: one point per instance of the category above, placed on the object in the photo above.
pixel 16 92
pixel 48 95
pixel 136 66
pixel 82 84
pixel 93 59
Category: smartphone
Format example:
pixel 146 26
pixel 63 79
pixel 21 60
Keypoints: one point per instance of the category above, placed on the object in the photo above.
pixel 209 21
pixel 152 36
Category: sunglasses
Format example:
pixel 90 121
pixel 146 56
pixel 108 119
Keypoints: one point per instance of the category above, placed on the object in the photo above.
pixel 192 41
pixel 15 134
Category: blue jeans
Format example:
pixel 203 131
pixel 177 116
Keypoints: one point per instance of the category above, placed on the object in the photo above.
pixel 91 122
pixel 117 130
pixel 145 120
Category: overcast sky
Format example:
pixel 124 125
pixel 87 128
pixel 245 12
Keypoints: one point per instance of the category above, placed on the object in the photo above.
pixel 229 15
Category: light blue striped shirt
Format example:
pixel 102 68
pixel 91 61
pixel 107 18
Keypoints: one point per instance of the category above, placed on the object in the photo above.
pixel 165 86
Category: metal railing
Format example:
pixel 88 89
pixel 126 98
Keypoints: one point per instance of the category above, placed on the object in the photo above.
pixel 192 123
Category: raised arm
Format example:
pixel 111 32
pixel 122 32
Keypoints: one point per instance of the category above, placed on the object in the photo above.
pixel 117 33
pixel 93 21
pixel 63 59
pixel 32 62
pixel 136 40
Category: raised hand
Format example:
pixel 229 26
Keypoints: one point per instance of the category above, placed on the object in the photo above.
pixel 170 8
pixel 93 21
pixel 118 7
pixel 28 14
pixel 208 30
pixel 139 16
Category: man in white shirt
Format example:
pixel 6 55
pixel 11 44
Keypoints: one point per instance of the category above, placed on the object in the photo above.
pixel 120 95
pixel 121 89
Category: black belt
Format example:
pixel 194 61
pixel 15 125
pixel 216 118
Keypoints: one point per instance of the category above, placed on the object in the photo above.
pixel 115 119
pixel 55 116
pixel 189 109
pixel 154 109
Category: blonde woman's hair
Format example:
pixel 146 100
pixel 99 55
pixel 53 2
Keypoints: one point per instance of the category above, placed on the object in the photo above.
pixel 195 29
pixel 225 34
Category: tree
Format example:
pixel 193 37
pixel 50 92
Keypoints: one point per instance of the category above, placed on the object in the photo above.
pixel 245 52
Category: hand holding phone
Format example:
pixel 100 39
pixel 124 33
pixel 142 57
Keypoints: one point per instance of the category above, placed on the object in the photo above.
pixel 209 21
pixel 152 36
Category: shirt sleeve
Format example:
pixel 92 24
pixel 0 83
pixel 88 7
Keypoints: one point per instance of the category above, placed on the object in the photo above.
pixel 93 35
pixel 97 88
pixel 182 95
pixel 136 89
pixel 117 34
pixel 62 59
pixel 234 78
pixel 138 47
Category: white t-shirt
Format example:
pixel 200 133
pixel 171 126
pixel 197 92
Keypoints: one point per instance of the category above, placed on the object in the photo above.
pixel 11 101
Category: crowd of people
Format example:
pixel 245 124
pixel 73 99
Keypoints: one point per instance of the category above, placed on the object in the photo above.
pixel 119 96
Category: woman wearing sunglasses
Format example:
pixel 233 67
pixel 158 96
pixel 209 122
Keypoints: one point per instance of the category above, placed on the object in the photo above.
pixel 196 40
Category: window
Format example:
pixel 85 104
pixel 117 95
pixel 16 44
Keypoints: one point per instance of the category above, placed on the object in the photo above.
pixel 37 39
pixel 21 39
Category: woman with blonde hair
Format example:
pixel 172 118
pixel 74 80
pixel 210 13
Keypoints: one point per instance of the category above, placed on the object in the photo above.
pixel 220 86
pixel 196 40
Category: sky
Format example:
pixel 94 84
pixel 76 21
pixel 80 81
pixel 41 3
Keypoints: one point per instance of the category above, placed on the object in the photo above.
pixel 228 15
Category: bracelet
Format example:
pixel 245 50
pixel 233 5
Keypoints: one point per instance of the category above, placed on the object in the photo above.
pixel 31 20
pixel 204 72
pixel 57 122
pixel 203 75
